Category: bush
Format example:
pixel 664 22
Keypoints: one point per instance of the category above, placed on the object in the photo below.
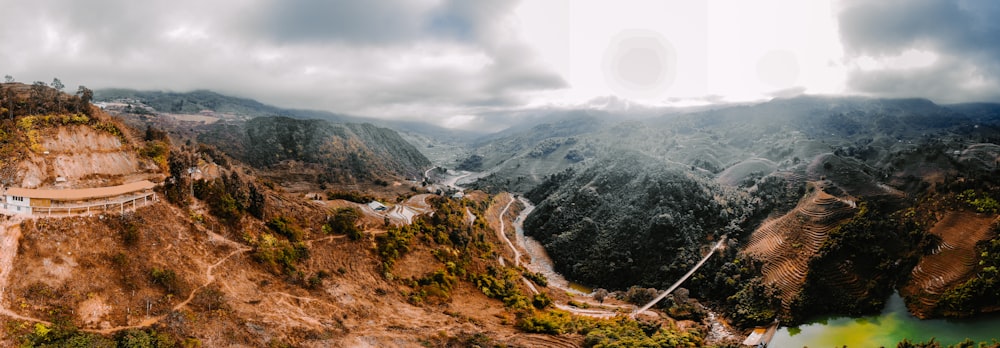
pixel 639 296
pixel 541 301
pixel 345 220
pixel 537 278
pixel 166 278
pixel 276 253
pixel 286 227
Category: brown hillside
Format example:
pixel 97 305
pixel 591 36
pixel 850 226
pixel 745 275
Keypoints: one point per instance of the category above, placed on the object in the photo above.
pixel 82 269
pixel 786 243
pixel 951 263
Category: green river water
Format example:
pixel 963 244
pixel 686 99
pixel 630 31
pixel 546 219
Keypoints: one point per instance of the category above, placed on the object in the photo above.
pixel 893 325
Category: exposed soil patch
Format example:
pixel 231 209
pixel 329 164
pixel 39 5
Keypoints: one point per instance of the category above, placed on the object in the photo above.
pixel 786 244
pixel 951 263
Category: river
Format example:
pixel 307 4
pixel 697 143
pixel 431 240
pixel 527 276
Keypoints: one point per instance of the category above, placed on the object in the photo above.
pixel 886 329
pixel 540 261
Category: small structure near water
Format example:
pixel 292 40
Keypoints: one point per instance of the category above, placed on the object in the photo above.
pixel 761 336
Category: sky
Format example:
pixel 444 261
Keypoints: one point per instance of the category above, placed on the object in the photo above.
pixel 469 64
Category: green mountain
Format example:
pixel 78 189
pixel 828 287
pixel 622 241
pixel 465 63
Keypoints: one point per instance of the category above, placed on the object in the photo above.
pixel 196 101
pixel 336 152
pixel 804 189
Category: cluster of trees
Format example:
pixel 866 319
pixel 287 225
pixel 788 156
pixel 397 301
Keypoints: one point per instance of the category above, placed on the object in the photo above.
pixel 65 335
pixel 42 98
pixel 339 153
pixel 615 332
pixel 228 197
pixel 967 343
pixel 629 221
pixel 157 147
pixel 345 220
pixel 281 252
pixel 980 291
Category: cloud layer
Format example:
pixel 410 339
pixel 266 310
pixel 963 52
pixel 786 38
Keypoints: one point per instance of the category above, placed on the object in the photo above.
pixel 948 51
pixel 394 58
pixel 469 63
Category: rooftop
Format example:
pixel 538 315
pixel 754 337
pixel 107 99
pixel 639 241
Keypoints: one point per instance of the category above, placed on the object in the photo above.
pixel 81 194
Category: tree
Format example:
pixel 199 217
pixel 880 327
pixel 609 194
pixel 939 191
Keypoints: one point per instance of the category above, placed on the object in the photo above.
pixel 600 294
pixel 9 96
pixel 8 78
pixel 344 220
pixel 58 85
pixel 85 95
pixel 37 97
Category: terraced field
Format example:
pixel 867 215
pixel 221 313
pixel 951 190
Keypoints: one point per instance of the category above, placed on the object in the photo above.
pixel 786 243
pixel 954 259
pixel 547 341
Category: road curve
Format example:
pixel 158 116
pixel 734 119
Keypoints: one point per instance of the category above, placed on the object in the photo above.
pixel 503 234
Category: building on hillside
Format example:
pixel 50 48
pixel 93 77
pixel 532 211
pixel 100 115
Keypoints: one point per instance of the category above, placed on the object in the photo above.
pixel 78 201
pixel 377 206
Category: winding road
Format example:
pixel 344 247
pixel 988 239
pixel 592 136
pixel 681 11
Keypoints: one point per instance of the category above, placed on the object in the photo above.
pixel 503 234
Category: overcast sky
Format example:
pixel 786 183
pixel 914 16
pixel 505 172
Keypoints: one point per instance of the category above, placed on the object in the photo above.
pixel 466 63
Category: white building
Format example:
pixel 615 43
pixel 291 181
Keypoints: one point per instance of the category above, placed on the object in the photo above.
pixel 377 206
pixel 78 201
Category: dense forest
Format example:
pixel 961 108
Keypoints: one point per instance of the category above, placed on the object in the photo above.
pixel 638 202
pixel 631 221
pixel 344 152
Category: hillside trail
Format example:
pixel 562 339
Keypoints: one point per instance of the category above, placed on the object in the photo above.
pixel 517 253
pixel 209 279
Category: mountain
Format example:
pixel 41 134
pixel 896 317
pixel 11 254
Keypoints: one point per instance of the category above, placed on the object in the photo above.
pixel 195 102
pixel 261 231
pixel 798 185
pixel 221 252
pixel 342 152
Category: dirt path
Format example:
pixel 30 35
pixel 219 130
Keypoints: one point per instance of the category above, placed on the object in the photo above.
pixel 209 279
pixel 593 313
pixel 590 312
pixel 503 234
pixel 453 181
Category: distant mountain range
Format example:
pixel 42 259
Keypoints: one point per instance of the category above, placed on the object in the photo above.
pixel 199 100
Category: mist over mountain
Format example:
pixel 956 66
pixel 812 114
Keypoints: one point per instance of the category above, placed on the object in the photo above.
pixel 196 102
pixel 633 202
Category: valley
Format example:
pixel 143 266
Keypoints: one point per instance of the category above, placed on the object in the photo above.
pixel 686 229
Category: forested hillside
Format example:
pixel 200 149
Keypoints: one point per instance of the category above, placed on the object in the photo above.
pixel 344 152
pixel 631 221
pixel 646 197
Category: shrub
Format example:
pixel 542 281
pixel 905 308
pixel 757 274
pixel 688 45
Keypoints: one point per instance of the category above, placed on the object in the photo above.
pixel 537 278
pixel 276 253
pixel 345 221
pixel 286 227
pixel 166 278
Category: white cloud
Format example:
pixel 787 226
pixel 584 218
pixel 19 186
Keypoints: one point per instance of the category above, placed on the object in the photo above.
pixel 434 59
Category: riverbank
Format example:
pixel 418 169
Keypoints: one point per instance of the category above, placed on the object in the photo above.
pixel 894 324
